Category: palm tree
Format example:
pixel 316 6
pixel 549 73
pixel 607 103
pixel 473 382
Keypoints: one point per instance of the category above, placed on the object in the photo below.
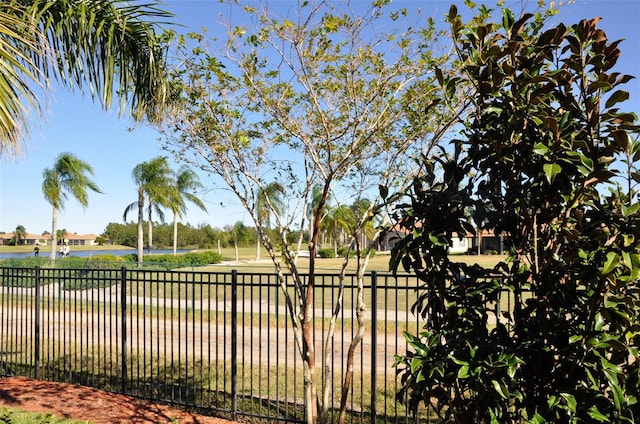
pixel 68 175
pixel 186 184
pixel 100 46
pixel 361 207
pixel 339 220
pixel 19 234
pixel 154 180
pixel 61 235
pixel 269 200
pixel 239 235
pixel 310 213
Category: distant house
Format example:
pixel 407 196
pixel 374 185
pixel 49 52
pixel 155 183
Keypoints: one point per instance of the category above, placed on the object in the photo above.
pixel 30 239
pixel 389 239
pixel 81 239
pixel 487 242
pixel 458 244
pixel 43 240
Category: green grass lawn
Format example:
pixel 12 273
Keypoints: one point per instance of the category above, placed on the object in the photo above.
pixel 246 259
pixel 379 262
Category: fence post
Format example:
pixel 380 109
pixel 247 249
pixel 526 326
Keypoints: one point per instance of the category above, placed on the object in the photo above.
pixel 374 343
pixel 36 346
pixel 234 345
pixel 123 327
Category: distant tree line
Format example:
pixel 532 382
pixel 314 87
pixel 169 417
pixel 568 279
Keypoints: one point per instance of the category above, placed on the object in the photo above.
pixel 196 237
pixel 335 225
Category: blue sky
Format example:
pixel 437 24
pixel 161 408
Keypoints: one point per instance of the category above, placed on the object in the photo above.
pixel 74 124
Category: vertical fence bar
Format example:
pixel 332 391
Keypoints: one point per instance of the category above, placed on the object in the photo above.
pixel 123 327
pixel 234 345
pixel 36 347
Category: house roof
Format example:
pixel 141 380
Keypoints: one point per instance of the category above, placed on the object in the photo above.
pixel 485 233
pixel 9 236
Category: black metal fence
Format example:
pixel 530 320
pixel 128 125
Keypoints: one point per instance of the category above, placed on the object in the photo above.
pixel 219 342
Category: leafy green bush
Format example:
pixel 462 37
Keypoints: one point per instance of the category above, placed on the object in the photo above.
pixel 183 260
pixel 106 257
pixel 536 163
pixel 202 258
pixel 26 262
pixel 129 257
pixel 326 253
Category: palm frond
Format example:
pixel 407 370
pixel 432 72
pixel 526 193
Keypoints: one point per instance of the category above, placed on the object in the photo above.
pixel 17 73
pixel 110 47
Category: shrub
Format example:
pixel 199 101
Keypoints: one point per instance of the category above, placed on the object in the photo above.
pixel 106 257
pixel 537 163
pixel 183 260
pixel 326 253
pixel 28 262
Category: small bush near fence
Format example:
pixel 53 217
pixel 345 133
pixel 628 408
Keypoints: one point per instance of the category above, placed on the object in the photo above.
pixel 326 253
pixel 107 260
pixel 28 262
pixel 98 270
pixel 184 260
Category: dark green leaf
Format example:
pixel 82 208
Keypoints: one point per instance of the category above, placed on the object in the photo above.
pixel 616 97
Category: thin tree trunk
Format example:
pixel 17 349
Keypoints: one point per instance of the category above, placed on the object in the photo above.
pixel 54 234
pixel 298 247
pixel 149 232
pixel 140 228
pixel 329 341
pixel 357 338
pixel 296 321
pixel 311 393
pixel 175 235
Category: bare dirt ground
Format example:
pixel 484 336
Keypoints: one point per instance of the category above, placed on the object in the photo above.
pixel 96 406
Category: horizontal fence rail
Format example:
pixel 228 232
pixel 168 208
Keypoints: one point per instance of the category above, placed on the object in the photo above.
pixel 221 343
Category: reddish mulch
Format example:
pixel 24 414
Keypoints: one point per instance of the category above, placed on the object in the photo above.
pixel 85 403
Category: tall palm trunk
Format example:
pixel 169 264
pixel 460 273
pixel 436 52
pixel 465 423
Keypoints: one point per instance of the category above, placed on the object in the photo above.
pixel 175 235
pixel 54 234
pixel 140 226
pixel 149 231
